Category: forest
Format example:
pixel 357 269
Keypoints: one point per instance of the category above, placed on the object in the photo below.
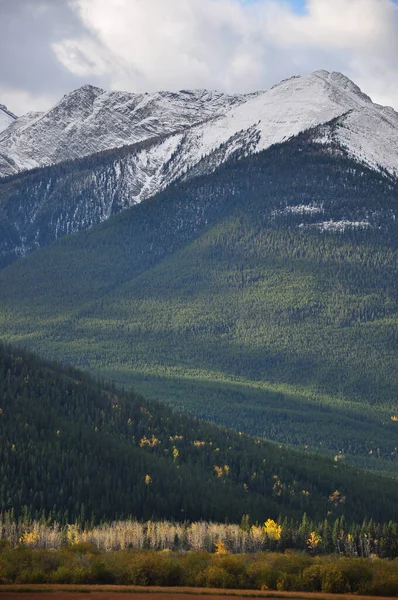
pixel 223 298
pixel 327 537
pixel 76 562
pixel 76 450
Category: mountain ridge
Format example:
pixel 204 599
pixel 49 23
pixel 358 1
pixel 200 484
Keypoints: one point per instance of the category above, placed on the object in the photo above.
pixel 342 117
pixel 90 119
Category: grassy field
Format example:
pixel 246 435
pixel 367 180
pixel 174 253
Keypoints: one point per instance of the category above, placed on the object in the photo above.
pixel 95 592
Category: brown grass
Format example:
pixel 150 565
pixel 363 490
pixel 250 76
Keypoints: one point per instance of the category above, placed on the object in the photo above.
pixel 113 592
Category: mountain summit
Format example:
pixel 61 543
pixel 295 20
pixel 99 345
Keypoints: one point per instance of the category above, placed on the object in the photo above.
pixel 198 122
pixel 153 140
pixel 90 120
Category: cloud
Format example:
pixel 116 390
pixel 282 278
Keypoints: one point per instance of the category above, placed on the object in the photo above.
pixel 31 75
pixel 22 101
pixel 231 45
pixel 156 44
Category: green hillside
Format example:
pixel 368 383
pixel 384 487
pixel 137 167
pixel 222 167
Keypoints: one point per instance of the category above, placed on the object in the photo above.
pixel 214 298
pixel 75 449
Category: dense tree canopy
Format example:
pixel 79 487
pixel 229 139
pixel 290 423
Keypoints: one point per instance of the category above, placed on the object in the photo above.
pixel 223 297
pixel 74 449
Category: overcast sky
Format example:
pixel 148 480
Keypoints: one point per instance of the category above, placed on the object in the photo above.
pixel 50 47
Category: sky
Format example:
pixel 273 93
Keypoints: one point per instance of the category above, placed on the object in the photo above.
pixel 51 47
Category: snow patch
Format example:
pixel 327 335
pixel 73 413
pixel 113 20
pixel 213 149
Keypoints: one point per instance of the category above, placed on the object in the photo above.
pixel 338 226
pixel 301 209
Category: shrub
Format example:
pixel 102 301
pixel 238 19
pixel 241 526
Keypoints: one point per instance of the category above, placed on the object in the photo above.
pixel 215 576
pixel 193 564
pixel 14 561
pixel 31 576
pixel 235 565
pixel 70 574
pixel 154 568
pixel 287 582
pixel 357 574
pixel 100 573
pixel 385 578
pixel 4 545
pixel 312 578
pixel 261 576
pixel 333 580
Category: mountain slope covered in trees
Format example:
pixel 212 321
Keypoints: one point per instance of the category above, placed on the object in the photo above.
pixel 76 449
pixel 262 296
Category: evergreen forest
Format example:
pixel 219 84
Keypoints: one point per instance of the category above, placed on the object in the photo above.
pixel 234 296
pixel 75 450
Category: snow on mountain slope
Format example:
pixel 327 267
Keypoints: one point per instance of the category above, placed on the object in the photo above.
pixel 204 124
pixel 369 135
pixel 171 136
pixel 6 117
pixel 90 120
pixel 368 132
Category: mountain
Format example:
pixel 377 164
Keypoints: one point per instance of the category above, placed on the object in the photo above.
pixel 6 117
pixel 78 450
pixel 262 296
pixel 90 120
pixel 258 289
pixel 45 204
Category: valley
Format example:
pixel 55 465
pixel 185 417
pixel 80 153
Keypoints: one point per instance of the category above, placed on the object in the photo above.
pixel 253 287
pixel 198 299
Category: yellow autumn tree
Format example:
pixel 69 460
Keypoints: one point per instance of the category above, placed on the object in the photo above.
pixel 272 529
pixel 218 470
pixel 30 538
pixel 152 442
pixel 72 534
pixel 220 548
pixel 313 540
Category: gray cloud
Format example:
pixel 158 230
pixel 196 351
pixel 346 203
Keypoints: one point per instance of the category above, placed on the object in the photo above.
pixel 53 46
pixel 30 71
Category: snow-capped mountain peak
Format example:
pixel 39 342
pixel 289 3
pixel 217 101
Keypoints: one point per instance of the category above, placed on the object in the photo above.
pixel 174 135
pixel 190 124
pixel 89 120
pixel 367 131
pixel 343 83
